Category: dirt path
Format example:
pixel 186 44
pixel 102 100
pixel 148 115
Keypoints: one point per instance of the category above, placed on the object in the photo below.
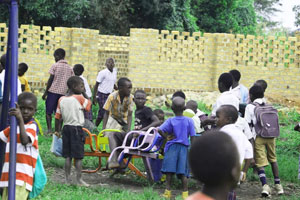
pixel 247 191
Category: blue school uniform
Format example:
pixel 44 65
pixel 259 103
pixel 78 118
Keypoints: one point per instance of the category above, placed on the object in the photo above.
pixel 176 150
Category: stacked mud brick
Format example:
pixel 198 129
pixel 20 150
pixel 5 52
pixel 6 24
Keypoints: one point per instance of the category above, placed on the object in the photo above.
pixel 163 61
pixel 116 47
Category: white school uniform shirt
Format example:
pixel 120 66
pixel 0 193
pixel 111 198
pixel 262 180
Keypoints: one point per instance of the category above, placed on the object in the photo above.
pixel 106 80
pixel 237 92
pixel 2 77
pixel 250 116
pixel 242 124
pixel 244 147
pixel 86 86
pixel 226 98
pixel 196 120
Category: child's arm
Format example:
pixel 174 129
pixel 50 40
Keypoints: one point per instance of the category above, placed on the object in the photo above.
pixel 25 139
pixel 58 125
pixel 95 92
pixel 155 123
pixel 247 163
pixel 105 118
pixel 49 83
pixel 129 120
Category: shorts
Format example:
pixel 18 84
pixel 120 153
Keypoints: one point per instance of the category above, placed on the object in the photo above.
pixel 264 150
pixel 176 160
pixel 21 193
pixel 51 102
pixel 73 139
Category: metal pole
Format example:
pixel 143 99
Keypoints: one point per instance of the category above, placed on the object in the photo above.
pixel 13 25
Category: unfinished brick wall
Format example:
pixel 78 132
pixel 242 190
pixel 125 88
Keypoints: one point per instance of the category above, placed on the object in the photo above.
pixel 163 61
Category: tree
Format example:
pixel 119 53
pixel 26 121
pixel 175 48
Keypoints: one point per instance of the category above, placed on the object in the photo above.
pixel 117 17
pixel 50 12
pixel 296 9
pixel 224 16
pixel 264 10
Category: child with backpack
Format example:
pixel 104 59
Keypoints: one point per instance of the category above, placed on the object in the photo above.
pixel 263 119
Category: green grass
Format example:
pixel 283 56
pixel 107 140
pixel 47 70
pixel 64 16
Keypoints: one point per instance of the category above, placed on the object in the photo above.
pixel 287 153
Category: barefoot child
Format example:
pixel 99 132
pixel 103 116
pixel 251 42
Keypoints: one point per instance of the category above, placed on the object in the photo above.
pixel 70 108
pixel 60 72
pixel 217 166
pixel 23 67
pixel 177 130
pixel 27 147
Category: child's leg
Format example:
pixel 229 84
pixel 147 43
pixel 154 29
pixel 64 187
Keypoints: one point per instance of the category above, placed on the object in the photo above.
pixel 184 182
pixel 49 122
pixel 78 166
pixel 262 175
pixel 275 172
pixel 68 165
pixel 168 180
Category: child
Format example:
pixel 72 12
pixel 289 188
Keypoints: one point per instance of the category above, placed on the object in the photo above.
pixel 78 70
pixel 190 111
pixel 118 114
pixel 23 67
pixel 217 166
pixel 27 146
pixel 262 83
pixel 104 86
pixel 226 118
pixel 70 108
pixel 262 144
pixel 238 89
pixel 160 115
pixel 60 72
pixel 177 130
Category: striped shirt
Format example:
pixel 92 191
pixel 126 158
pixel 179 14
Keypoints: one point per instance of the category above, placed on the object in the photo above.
pixel 26 157
pixel 62 72
pixel 70 109
pixel 118 110
pixel 106 80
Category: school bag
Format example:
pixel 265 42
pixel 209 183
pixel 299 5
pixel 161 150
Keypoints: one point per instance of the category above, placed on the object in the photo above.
pixel 39 176
pixel 267 120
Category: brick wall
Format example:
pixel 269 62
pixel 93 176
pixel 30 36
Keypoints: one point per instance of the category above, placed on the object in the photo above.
pixel 163 61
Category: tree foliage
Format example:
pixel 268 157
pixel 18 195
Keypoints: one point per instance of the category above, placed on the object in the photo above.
pixel 264 10
pixel 296 9
pixel 236 16
pixel 117 17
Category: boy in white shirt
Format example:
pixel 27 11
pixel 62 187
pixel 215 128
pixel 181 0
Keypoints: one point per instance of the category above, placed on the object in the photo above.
pixel 226 118
pixel 264 148
pixel 190 111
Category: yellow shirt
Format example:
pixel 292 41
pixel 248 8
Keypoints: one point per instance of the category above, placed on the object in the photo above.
pixel 24 81
pixel 118 110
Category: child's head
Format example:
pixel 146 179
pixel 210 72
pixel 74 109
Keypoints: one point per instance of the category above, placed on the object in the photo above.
pixel 226 114
pixel 179 94
pixel 2 62
pixel 27 103
pixel 262 83
pixel 59 54
pixel 236 75
pixel 78 69
pixel 23 67
pixel 124 86
pixel 215 165
pixel 178 105
pixel 160 115
pixel 256 92
pixel 140 98
pixel 110 64
pixel 75 85
pixel 191 104
pixel 225 82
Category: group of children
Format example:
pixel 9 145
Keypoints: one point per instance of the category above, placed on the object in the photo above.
pixel 220 167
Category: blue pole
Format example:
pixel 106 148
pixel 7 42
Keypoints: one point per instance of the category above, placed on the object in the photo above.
pixel 13 25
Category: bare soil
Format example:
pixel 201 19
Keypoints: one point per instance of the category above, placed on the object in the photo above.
pixel 247 191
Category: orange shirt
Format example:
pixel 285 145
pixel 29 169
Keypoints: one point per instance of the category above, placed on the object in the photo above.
pixel 26 157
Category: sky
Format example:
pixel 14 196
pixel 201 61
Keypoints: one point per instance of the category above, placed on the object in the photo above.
pixel 287 16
